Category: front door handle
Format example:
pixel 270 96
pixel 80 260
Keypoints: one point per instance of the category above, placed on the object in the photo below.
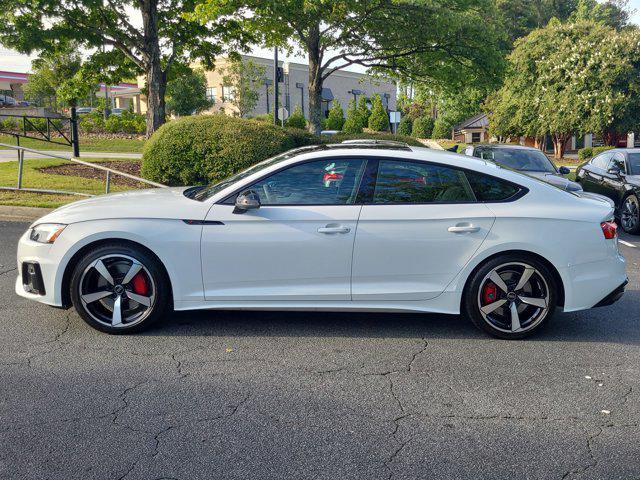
pixel 329 229
pixel 464 229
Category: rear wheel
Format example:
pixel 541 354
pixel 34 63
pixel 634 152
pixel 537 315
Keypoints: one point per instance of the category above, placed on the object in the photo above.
pixel 511 296
pixel 630 215
pixel 119 288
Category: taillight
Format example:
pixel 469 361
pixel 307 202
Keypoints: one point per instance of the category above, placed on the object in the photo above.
pixel 609 229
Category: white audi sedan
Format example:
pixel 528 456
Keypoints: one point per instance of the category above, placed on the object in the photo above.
pixel 362 226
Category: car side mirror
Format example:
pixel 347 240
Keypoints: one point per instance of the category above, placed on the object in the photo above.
pixel 614 171
pixel 247 200
pixel 564 170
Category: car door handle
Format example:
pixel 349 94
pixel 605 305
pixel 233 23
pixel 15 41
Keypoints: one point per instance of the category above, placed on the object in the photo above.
pixel 464 229
pixel 329 229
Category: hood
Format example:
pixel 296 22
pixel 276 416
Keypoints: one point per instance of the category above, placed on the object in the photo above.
pixel 633 180
pixel 162 203
pixel 556 180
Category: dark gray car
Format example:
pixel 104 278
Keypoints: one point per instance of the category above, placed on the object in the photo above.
pixel 526 160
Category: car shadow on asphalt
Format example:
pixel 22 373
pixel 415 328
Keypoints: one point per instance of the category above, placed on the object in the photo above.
pixel 619 323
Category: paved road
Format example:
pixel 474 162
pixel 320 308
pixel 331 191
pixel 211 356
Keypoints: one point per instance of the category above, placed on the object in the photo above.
pixel 239 395
pixel 12 156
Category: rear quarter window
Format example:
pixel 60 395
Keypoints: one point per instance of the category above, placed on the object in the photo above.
pixel 492 189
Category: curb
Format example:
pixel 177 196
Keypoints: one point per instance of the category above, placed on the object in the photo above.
pixel 22 214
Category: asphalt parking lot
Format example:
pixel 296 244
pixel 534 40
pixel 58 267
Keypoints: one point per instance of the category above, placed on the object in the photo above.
pixel 254 395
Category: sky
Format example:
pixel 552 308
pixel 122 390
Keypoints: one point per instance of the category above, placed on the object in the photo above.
pixel 16 62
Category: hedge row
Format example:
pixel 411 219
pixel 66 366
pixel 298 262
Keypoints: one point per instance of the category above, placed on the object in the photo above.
pixel 589 152
pixel 208 148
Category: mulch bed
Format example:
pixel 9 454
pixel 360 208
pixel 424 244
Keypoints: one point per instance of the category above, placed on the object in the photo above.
pixel 75 170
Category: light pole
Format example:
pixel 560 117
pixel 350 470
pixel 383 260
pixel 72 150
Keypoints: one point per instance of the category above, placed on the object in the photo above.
pixel 275 86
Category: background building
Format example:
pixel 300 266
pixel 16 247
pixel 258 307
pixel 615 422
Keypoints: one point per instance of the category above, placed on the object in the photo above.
pixel 341 86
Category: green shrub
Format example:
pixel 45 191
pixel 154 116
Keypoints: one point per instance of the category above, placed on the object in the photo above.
pixel 353 122
pixel 364 112
pixel 405 126
pixel 264 117
pixel 335 120
pixel 296 120
pixel 422 127
pixel 113 124
pixel 208 148
pixel 379 119
pixel 589 152
pixel 10 124
pixel 441 129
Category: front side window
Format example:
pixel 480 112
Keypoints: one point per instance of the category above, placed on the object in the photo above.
pixel 409 182
pixel 491 189
pixel 618 162
pixel 321 182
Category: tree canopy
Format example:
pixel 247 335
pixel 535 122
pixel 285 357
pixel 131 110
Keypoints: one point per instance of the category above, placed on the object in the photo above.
pixel 167 37
pixel 448 41
pixel 570 78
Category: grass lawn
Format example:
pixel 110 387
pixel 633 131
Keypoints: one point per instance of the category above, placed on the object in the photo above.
pixel 115 145
pixel 32 178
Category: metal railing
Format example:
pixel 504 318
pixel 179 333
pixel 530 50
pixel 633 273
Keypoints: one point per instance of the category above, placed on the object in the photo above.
pixel 53 130
pixel 109 173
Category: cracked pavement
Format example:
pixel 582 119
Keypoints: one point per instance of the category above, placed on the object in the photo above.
pixel 275 395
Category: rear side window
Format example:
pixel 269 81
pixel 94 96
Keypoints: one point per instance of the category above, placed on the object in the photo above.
pixel 491 189
pixel 413 182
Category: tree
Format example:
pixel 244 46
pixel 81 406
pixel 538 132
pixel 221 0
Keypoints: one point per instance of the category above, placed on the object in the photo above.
pixel 167 36
pixel 353 122
pixel 613 13
pixel 451 41
pixel 188 93
pixel 405 126
pixel 570 78
pixel 296 119
pixel 363 112
pixel 335 120
pixel 244 77
pixel 454 107
pixel 379 118
pixel 422 127
pixel 520 17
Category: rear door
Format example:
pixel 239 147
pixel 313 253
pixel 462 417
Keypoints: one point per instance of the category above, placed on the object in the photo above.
pixel 421 224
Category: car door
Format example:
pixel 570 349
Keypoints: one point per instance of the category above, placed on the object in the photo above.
pixel 420 226
pixel 593 173
pixel 612 182
pixel 297 246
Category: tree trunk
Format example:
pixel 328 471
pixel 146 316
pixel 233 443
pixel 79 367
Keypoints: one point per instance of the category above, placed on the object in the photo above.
pixel 156 77
pixel 315 80
pixel 156 87
pixel 559 142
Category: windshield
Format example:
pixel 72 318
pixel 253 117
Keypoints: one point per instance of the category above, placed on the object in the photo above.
pixel 634 163
pixel 519 159
pixel 211 190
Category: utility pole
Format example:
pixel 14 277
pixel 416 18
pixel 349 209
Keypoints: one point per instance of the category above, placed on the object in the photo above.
pixel 275 86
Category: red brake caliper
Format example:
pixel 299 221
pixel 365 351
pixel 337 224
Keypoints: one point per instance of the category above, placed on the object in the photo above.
pixel 139 284
pixel 490 293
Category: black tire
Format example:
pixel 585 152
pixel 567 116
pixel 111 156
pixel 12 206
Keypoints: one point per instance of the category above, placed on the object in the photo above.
pixel 630 227
pixel 116 255
pixel 542 282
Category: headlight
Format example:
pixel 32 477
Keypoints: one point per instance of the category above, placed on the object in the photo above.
pixel 46 232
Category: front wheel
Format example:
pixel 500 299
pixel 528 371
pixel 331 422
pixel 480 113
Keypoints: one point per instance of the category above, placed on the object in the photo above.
pixel 511 296
pixel 630 215
pixel 119 288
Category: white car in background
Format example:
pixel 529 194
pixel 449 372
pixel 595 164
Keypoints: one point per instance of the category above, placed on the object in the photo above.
pixel 395 228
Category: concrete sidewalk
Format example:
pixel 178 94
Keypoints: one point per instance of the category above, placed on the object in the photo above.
pixel 10 155
pixel 22 214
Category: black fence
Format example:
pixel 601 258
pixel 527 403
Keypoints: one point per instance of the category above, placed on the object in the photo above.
pixel 58 130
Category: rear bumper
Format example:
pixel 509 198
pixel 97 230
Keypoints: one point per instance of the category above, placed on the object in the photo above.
pixel 613 297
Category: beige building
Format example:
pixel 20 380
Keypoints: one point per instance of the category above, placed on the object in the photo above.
pixel 341 86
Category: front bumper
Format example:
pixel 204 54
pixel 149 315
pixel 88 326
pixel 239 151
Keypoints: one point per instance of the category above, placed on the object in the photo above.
pixel 48 260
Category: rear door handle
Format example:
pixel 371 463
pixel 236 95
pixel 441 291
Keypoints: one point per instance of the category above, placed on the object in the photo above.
pixel 329 229
pixel 464 229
